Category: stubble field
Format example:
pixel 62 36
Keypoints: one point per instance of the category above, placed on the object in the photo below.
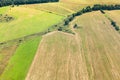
pixel 91 54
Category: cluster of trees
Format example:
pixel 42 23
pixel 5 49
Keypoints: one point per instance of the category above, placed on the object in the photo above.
pixel 65 29
pixel 5 18
pixel 18 2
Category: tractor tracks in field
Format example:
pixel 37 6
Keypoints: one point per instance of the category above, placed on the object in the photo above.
pixel 78 39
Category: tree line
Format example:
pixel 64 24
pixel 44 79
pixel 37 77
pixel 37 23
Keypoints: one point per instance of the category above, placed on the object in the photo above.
pixel 18 2
pixel 95 7
pixel 113 23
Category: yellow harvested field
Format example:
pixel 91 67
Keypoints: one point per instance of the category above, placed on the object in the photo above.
pixel 58 58
pixel 67 7
pixel 101 43
pixel 91 1
pixel 91 54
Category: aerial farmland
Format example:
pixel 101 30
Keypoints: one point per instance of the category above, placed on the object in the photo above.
pixel 60 40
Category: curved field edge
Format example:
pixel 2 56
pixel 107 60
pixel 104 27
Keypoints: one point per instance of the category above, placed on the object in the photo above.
pixel 20 62
pixel 27 21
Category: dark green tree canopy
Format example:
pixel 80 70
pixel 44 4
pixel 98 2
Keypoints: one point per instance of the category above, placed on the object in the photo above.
pixel 17 2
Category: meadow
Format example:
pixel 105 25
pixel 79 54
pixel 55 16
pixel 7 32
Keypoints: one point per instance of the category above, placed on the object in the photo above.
pixel 20 62
pixel 5 54
pixel 14 59
pixel 26 21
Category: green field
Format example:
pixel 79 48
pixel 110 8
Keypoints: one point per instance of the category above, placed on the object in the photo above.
pixel 15 62
pixel 19 63
pixel 27 21
pixel 3 10
pixel 5 54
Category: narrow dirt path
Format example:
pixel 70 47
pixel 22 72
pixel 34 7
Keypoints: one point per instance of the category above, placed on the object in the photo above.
pixel 79 44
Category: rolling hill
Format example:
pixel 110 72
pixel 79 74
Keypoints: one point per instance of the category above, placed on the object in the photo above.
pixel 91 54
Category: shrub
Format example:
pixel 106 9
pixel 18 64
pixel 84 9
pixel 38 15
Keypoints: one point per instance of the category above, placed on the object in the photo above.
pixel 5 18
pixel 66 22
pixel 102 11
pixel 88 9
pixel 113 23
pixel 60 29
pixel 75 26
pixel 117 28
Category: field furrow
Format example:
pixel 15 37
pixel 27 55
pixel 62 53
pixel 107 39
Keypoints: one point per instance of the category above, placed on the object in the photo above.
pixel 102 52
